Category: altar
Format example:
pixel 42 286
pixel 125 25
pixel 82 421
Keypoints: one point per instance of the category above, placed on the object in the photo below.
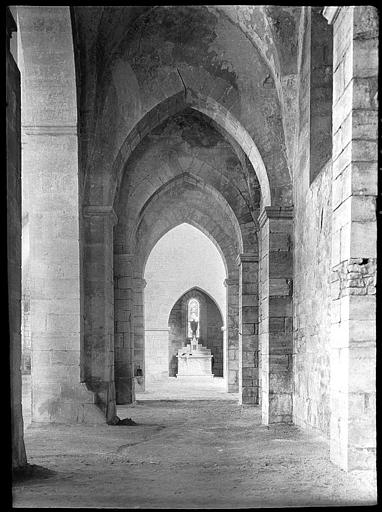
pixel 194 362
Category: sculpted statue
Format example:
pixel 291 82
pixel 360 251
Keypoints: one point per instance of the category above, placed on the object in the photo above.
pixel 194 327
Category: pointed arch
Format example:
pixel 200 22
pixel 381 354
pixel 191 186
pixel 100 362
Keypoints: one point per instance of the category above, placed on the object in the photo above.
pixel 211 108
pixel 197 204
pixel 202 290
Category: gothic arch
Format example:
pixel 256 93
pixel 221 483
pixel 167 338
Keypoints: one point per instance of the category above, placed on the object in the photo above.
pixel 212 109
pixel 188 199
pixel 185 199
pixel 133 94
pixel 203 291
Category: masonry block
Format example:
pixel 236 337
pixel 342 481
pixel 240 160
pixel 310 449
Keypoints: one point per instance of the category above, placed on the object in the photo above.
pixel 280 407
pixel 250 300
pixel 249 314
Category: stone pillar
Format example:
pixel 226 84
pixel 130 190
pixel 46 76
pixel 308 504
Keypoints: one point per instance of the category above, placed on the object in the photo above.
pixel 225 354
pixel 275 329
pixel 355 121
pixel 50 163
pixel 123 322
pixel 99 306
pixel 232 335
pixel 13 141
pixel 248 328
pixel 51 194
pixel 139 285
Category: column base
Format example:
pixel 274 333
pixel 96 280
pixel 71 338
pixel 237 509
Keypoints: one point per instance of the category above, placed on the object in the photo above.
pixel 277 408
pixel 74 405
pixel 249 396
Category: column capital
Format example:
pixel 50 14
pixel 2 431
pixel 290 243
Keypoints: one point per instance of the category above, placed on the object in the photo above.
pixel 247 257
pixel 140 281
pixel 275 212
pixel 331 13
pixel 47 129
pixel 100 210
pixel 230 282
pixel 126 255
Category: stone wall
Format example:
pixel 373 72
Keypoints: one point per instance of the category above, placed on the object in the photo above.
pixel 26 347
pixel 335 242
pixel 210 336
pixel 312 233
pixel 13 141
pixel 354 247
pixel 320 90
pixel 311 312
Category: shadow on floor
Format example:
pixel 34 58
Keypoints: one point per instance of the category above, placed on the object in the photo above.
pixel 31 471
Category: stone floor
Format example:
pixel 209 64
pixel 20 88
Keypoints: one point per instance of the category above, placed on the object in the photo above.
pixel 175 389
pixel 184 454
pixel 168 389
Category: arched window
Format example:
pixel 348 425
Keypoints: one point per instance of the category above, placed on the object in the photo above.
pixel 193 314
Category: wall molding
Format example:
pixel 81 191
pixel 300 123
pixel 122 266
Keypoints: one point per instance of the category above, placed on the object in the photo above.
pixel 275 212
pixel 51 130
pixel 247 257
pixel 231 282
pixel 99 211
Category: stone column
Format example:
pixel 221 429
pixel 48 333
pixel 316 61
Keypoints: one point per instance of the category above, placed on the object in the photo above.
pixel 13 192
pixel 225 354
pixel 275 329
pixel 354 232
pixel 99 306
pixel 232 332
pixel 248 328
pixel 123 322
pixel 139 285
pixel 50 163
pixel 50 185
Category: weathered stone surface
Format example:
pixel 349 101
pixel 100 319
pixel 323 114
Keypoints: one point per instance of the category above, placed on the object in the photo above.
pixel 51 199
pixel 354 236
pixel 275 314
pixel 156 85
pixel 207 115
pixel 13 222
pixel 312 303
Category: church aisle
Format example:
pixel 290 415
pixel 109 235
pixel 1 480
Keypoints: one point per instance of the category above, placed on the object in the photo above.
pixel 175 389
pixel 184 454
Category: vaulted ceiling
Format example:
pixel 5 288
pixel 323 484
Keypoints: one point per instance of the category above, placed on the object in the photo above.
pixel 208 79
